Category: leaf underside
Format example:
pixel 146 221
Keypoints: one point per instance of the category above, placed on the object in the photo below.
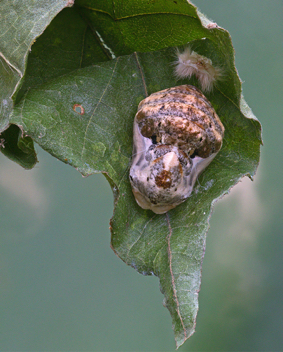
pixel 78 97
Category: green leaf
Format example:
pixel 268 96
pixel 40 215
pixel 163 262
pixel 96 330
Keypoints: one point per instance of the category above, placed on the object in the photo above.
pixel 21 22
pixel 79 105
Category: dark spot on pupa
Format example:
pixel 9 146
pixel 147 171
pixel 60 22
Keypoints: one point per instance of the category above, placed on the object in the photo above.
pixel 153 138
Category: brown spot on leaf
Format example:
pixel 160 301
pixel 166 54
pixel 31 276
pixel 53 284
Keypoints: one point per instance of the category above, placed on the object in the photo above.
pixel 78 108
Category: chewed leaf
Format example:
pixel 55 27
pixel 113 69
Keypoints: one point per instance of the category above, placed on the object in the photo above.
pixel 170 246
pixel 86 76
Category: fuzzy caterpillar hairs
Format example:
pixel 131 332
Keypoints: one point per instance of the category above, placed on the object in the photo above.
pixel 190 63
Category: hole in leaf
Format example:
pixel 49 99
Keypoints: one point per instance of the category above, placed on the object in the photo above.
pixel 78 109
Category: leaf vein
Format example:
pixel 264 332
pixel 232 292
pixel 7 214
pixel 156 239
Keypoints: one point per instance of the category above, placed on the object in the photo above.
pixel 140 235
pixel 102 95
pixel 172 276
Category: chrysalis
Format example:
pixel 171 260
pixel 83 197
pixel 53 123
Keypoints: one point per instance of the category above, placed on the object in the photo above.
pixel 177 133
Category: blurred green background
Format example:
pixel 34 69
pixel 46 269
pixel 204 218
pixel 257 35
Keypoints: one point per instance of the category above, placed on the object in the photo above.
pixel 62 287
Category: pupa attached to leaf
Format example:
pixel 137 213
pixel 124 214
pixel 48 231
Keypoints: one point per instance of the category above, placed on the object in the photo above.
pixel 177 133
